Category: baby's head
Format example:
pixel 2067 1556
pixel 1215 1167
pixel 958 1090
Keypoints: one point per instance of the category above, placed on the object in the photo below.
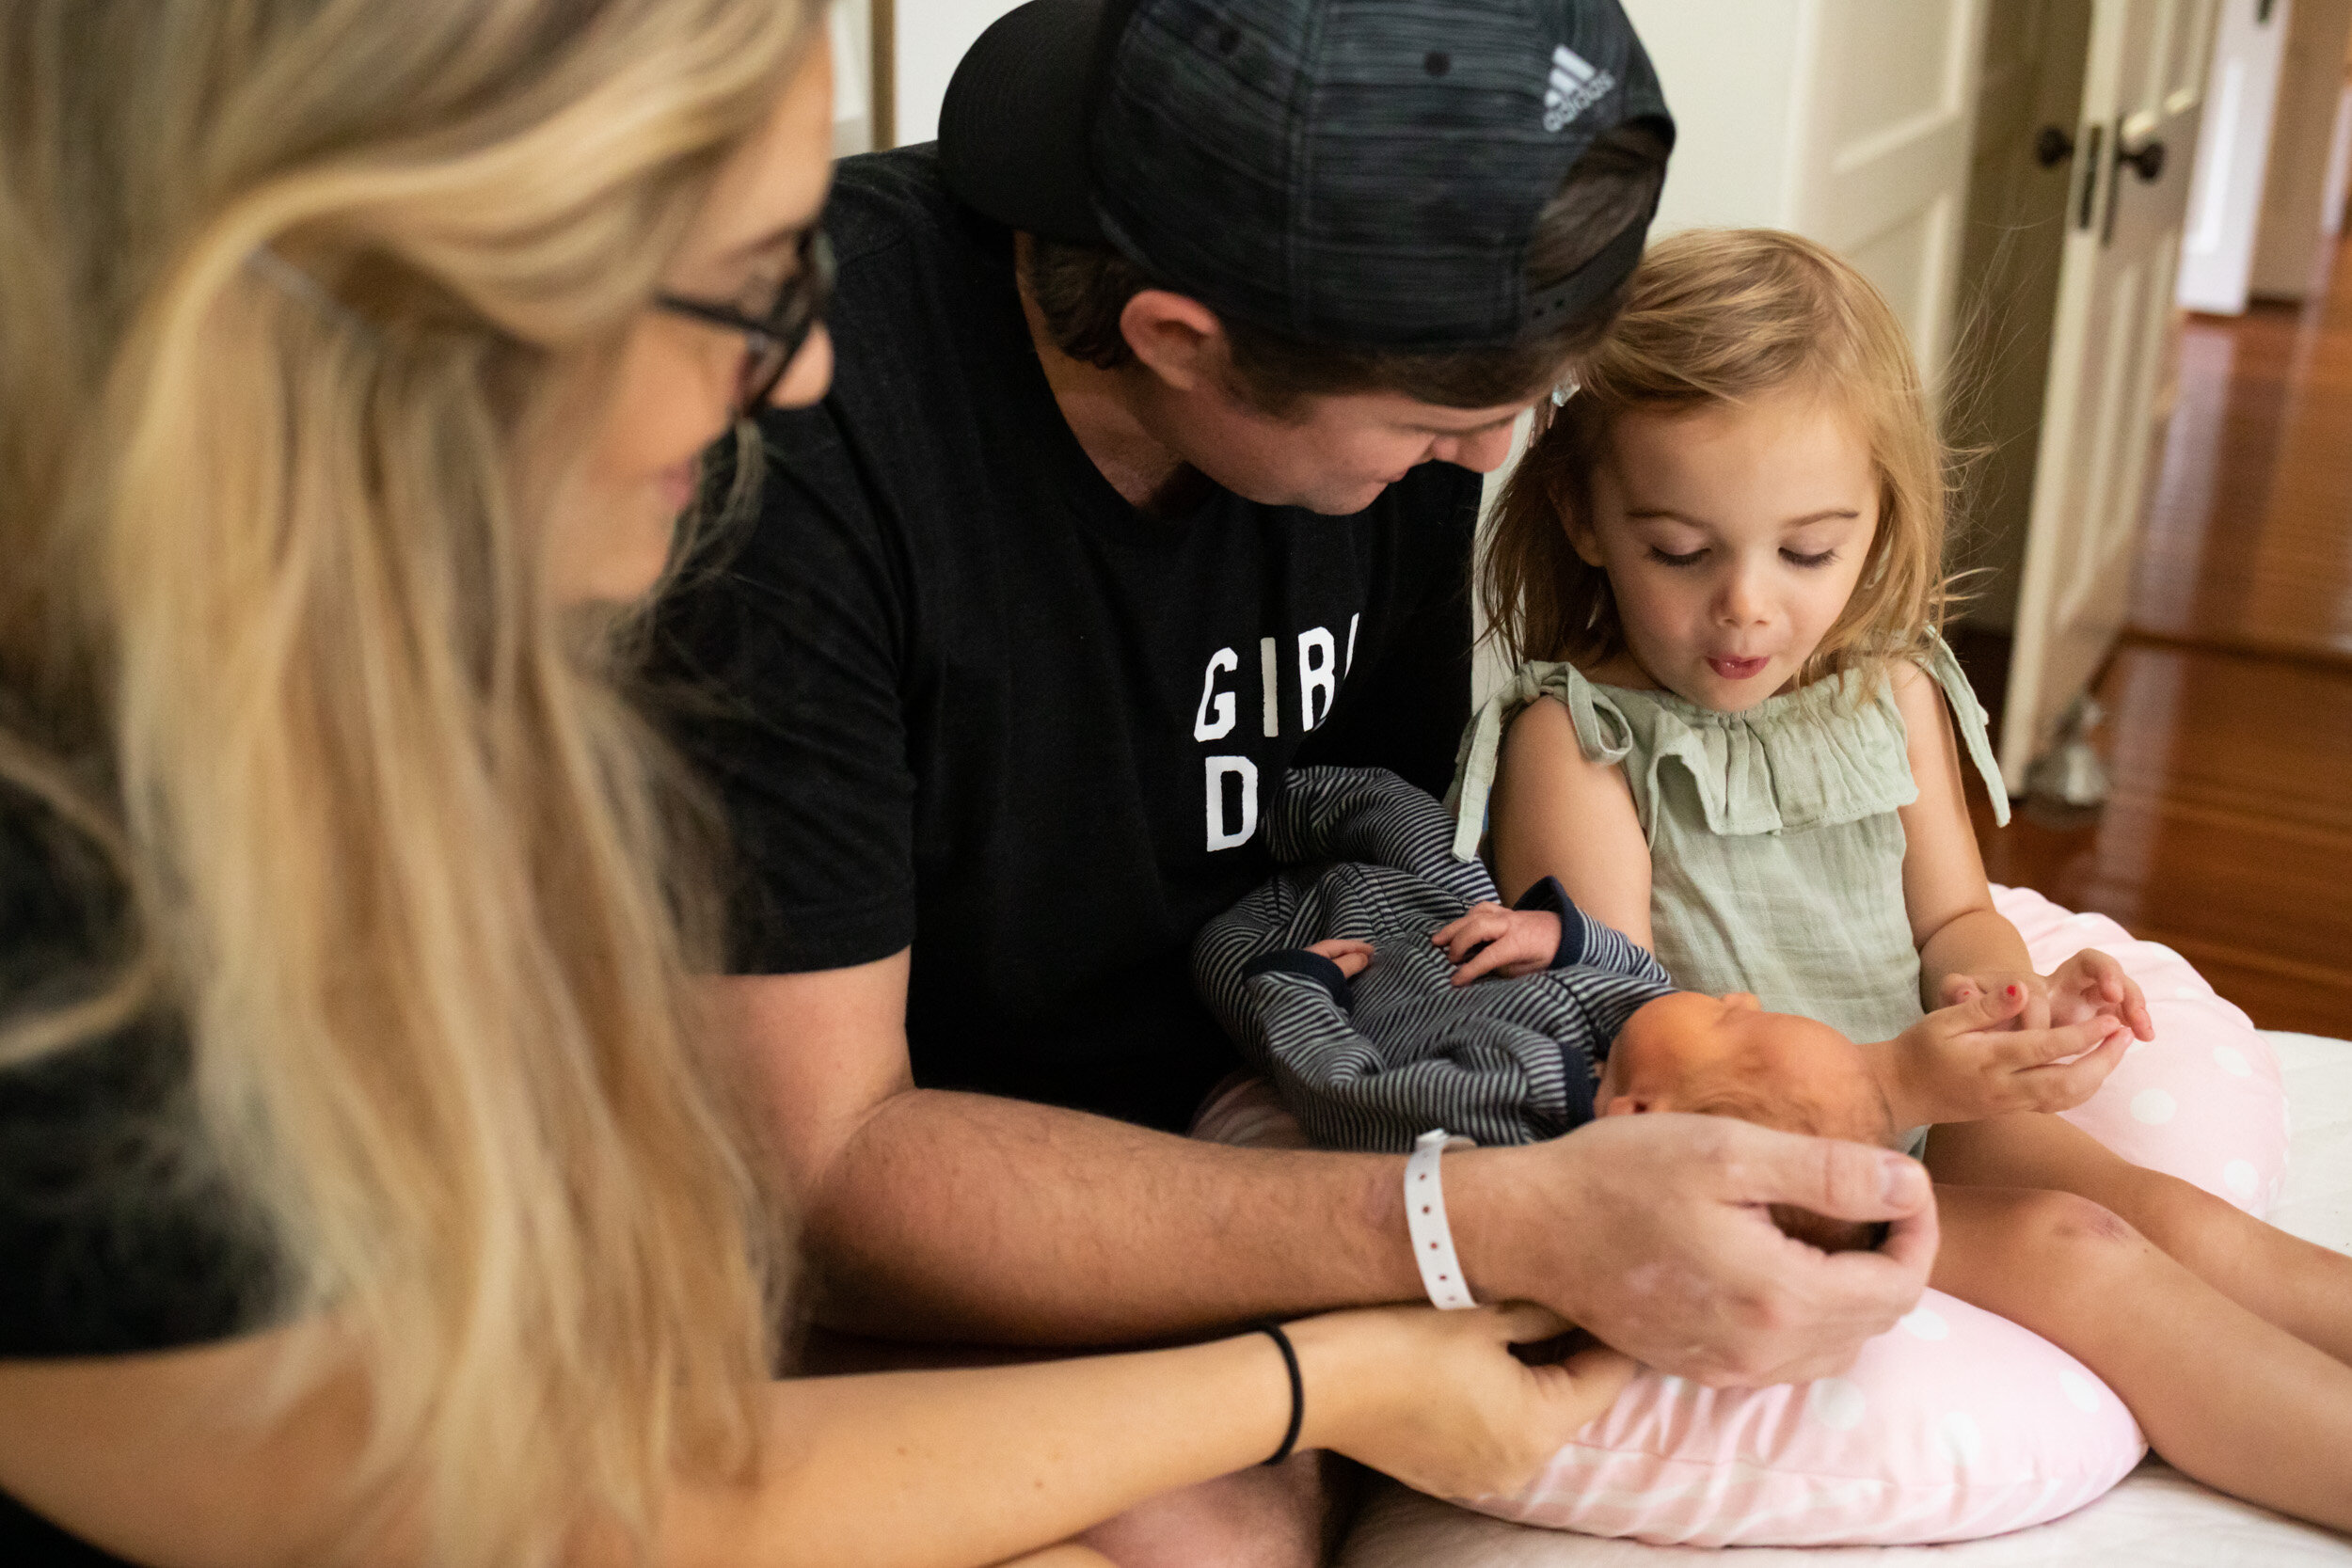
pixel 1745 491
pixel 1725 1056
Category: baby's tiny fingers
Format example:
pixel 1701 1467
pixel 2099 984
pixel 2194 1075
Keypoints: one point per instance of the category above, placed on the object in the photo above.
pixel 1489 959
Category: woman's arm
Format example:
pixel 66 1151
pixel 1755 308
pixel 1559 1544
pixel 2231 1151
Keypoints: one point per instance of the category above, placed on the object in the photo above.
pixel 1553 814
pixel 1954 923
pixel 158 1457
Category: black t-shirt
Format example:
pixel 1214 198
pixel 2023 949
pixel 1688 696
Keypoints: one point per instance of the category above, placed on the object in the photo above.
pixel 960 694
pixel 115 1234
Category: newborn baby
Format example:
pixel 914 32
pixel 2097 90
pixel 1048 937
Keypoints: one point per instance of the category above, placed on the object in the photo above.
pixel 1506 1026
pixel 1725 1056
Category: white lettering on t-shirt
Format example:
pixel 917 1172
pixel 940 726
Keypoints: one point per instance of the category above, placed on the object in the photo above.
pixel 1222 833
pixel 1317 678
pixel 1203 727
pixel 1266 681
pixel 1231 782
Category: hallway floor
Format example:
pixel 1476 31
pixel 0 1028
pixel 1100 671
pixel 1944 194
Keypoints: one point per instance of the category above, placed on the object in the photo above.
pixel 2228 730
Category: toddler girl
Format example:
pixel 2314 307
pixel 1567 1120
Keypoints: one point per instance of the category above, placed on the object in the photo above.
pixel 1738 740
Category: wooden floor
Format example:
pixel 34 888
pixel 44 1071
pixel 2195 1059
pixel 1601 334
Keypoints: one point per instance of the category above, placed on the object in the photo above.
pixel 2229 835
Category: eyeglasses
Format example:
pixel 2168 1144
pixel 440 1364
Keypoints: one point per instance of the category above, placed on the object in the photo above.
pixel 772 340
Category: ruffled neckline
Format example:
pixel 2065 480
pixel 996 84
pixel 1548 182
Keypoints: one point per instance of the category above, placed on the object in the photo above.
pixel 1833 751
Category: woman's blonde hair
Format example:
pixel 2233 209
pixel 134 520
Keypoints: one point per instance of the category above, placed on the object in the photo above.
pixel 1715 317
pixel 296 297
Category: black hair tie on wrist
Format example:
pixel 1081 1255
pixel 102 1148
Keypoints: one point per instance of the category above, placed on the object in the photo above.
pixel 1298 1389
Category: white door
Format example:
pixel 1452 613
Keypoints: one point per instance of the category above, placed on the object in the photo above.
pixel 1847 120
pixel 1886 113
pixel 2225 200
pixel 2142 92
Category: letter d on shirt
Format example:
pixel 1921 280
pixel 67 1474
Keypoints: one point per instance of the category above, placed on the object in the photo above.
pixel 1220 835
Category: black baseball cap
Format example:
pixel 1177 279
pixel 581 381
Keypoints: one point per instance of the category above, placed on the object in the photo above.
pixel 1365 173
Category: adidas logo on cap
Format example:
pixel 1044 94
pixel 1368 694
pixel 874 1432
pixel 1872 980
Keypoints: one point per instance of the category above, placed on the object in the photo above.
pixel 1575 86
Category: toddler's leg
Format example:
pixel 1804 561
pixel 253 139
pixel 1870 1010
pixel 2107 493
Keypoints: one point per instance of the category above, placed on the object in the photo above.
pixel 2304 1288
pixel 2223 1396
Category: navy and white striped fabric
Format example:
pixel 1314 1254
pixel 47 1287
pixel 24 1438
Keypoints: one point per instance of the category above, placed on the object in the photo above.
pixel 1372 1064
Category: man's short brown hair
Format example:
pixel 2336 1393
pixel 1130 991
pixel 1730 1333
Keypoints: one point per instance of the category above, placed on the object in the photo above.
pixel 1083 291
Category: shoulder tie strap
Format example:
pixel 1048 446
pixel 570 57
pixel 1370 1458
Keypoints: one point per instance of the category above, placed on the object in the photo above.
pixel 1968 717
pixel 1601 734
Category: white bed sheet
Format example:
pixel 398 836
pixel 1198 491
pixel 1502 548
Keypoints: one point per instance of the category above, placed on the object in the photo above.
pixel 2158 1518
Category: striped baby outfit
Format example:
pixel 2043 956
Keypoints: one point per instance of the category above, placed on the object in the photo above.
pixel 1372 1064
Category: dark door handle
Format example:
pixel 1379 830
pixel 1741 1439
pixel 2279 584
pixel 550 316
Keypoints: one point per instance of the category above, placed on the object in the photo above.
pixel 2052 146
pixel 2148 163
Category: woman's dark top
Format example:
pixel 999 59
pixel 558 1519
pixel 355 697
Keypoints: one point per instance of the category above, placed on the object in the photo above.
pixel 116 1236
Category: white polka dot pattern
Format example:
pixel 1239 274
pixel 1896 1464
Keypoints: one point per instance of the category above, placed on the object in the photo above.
pixel 1962 1425
pixel 1963 1438
pixel 1836 1404
pixel 2200 1100
pixel 1923 1322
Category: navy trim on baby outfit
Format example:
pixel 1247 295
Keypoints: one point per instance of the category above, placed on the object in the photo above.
pixel 1307 966
pixel 1549 897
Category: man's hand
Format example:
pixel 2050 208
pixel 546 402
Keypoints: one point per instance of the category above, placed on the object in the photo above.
pixel 1492 939
pixel 1651 1231
pixel 1975 1059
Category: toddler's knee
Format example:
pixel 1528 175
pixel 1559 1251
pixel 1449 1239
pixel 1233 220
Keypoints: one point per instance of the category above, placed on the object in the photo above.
pixel 2057 1226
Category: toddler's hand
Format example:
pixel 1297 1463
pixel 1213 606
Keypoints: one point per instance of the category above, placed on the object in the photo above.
pixel 1492 939
pixel 2035 1014
pixel 2093 985
pixel 1353 957
pixel 1971 1061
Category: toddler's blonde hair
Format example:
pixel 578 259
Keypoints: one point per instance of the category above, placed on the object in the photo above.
pixel 1720 317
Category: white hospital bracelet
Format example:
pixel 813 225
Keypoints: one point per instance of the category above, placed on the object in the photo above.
pixel 1424 1220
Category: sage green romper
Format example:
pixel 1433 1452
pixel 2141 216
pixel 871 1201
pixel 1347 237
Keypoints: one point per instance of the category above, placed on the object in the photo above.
pixel 1776 857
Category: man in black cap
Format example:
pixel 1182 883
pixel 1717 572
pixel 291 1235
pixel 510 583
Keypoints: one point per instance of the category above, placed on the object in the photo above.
pixel 1151 470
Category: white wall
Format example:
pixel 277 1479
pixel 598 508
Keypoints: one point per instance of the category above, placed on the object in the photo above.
pixel 931 38
pixel 852 77
pixel 1729 69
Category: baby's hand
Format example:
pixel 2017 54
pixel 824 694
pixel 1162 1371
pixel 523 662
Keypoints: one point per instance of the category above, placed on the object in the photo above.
pixel 2093 985
pixel 1353 957
pixel 1492 939
pixel 2035 1014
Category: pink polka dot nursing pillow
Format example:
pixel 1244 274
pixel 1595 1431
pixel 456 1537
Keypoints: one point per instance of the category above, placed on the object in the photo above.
pixel 1958 1423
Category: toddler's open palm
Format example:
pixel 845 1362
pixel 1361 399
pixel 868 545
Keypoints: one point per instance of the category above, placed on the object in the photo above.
pixel 2093 985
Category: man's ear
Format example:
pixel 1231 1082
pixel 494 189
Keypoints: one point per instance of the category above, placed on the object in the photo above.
pixel 1623 1105
pixel 1179 338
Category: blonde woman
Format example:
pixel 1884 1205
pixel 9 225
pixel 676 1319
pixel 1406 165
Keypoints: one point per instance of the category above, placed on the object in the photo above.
pixel 363 1196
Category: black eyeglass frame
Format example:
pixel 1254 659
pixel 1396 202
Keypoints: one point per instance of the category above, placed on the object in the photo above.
pixel 775 340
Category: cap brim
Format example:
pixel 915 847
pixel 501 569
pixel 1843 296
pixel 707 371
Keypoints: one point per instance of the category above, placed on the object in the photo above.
pixel 1012 128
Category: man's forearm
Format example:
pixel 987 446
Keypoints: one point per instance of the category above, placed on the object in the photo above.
pixel 967 1217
